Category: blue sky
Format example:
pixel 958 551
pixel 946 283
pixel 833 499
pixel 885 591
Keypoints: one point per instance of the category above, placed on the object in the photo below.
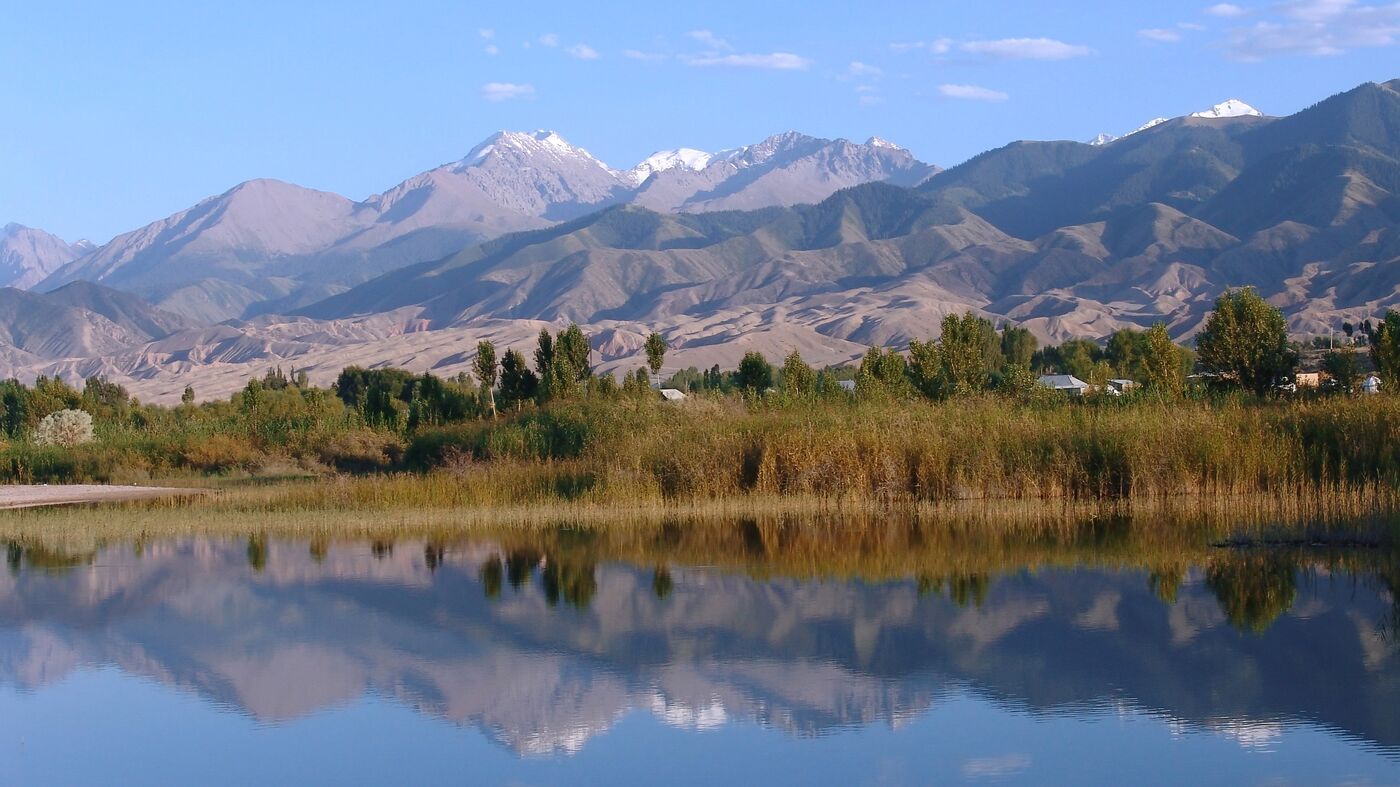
pixel 116 116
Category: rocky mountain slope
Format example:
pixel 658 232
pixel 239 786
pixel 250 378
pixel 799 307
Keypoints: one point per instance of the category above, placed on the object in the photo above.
pixel 28 256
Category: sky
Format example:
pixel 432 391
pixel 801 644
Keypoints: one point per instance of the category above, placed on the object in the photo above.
pixel 119 114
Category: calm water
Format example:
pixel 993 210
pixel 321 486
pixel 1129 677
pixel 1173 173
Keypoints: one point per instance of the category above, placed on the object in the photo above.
pixel 231 661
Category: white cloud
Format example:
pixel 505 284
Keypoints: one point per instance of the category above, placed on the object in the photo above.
pixel 486 33
pixel 710 40
pixel 777 61
pixel 971 93
pixel 583 52
pixel 1026 49
pixel 646 57
pixel 938 46
pixel 492 49
pixel 869 100
pixel 861 70
pixel 1226 10
pixel 1192 26
pixel 1160 35
pixel 549 40
pixel 1317 28
pixel 505 91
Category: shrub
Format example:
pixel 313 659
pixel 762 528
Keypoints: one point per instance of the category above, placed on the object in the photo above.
pixel 65 428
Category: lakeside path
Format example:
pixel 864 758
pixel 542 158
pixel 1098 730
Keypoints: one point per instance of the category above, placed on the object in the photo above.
pixel 77 494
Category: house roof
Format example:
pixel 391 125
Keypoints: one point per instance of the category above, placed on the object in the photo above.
pixel 1062 382
pixel 672 394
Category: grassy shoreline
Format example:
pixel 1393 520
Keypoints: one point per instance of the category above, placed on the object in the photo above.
pixel 610 455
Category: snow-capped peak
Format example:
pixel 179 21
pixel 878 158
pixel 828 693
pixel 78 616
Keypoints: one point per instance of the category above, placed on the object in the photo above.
pixel 877 142
pixel 661 161
pixel 1102 139
pixel 520 144
pixel 1153 123
pixel 1234 108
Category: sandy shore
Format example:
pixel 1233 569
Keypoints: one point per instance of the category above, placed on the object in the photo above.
pixel 64 495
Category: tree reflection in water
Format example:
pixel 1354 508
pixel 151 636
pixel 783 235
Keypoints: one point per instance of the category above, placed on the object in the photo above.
pixel 1254 588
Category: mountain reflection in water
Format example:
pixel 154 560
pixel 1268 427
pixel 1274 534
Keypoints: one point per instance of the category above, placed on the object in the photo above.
pixel 545 640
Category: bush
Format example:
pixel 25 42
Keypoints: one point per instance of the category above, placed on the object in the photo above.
pixel 65 428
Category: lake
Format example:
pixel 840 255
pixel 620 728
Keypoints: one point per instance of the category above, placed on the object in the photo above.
pixel 756 654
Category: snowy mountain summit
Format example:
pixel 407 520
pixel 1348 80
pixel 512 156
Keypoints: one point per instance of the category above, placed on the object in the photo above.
pixel 662 161
pixel 1234 108
pixel 878 142
pixel 521 145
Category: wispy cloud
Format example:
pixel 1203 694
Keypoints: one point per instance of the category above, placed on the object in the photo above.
pixel 549 39
pixel 861 70
pixel 646 57
pixel 488 36
pixel 1026 49
pixel 583 52
pixel 776 61
pixel 1160 35
pixel 505 91
pixel 486 33
pixel 938 46
pixel 1317 28
pixel 709 40
pixel 971 93
pixel 1226 10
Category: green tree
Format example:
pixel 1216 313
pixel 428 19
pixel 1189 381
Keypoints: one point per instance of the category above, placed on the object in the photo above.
pixel 964 350
pixel 637 385
pixel 1342 367
pixel 105 400
pixel 518 383
pixel 1385 350
pixel 926 368
pixel 1160 363
pixel 544 353
pixel 882 374
pixel 487 372
pixel 656 352
pixel 187 398
pixel 1018 346
pixel 798 377
pixel 1245 341
pixel 573 346
pixel 755 373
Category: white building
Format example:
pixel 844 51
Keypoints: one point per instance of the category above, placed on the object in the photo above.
pixel 1371 385
pixel 1066 383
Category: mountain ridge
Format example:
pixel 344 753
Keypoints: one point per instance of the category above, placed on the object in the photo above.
pixel 231 256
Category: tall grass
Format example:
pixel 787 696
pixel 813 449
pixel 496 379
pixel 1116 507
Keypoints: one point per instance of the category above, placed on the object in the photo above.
pixel 979 448
pixel 636 452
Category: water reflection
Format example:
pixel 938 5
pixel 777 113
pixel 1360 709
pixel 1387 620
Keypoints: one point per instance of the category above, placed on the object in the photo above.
pixel 545 639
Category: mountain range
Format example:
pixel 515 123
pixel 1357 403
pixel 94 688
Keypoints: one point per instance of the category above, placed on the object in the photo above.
pixel 824 246
pixel 266 246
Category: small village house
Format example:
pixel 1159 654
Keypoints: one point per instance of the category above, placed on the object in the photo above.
pixel 1065 383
